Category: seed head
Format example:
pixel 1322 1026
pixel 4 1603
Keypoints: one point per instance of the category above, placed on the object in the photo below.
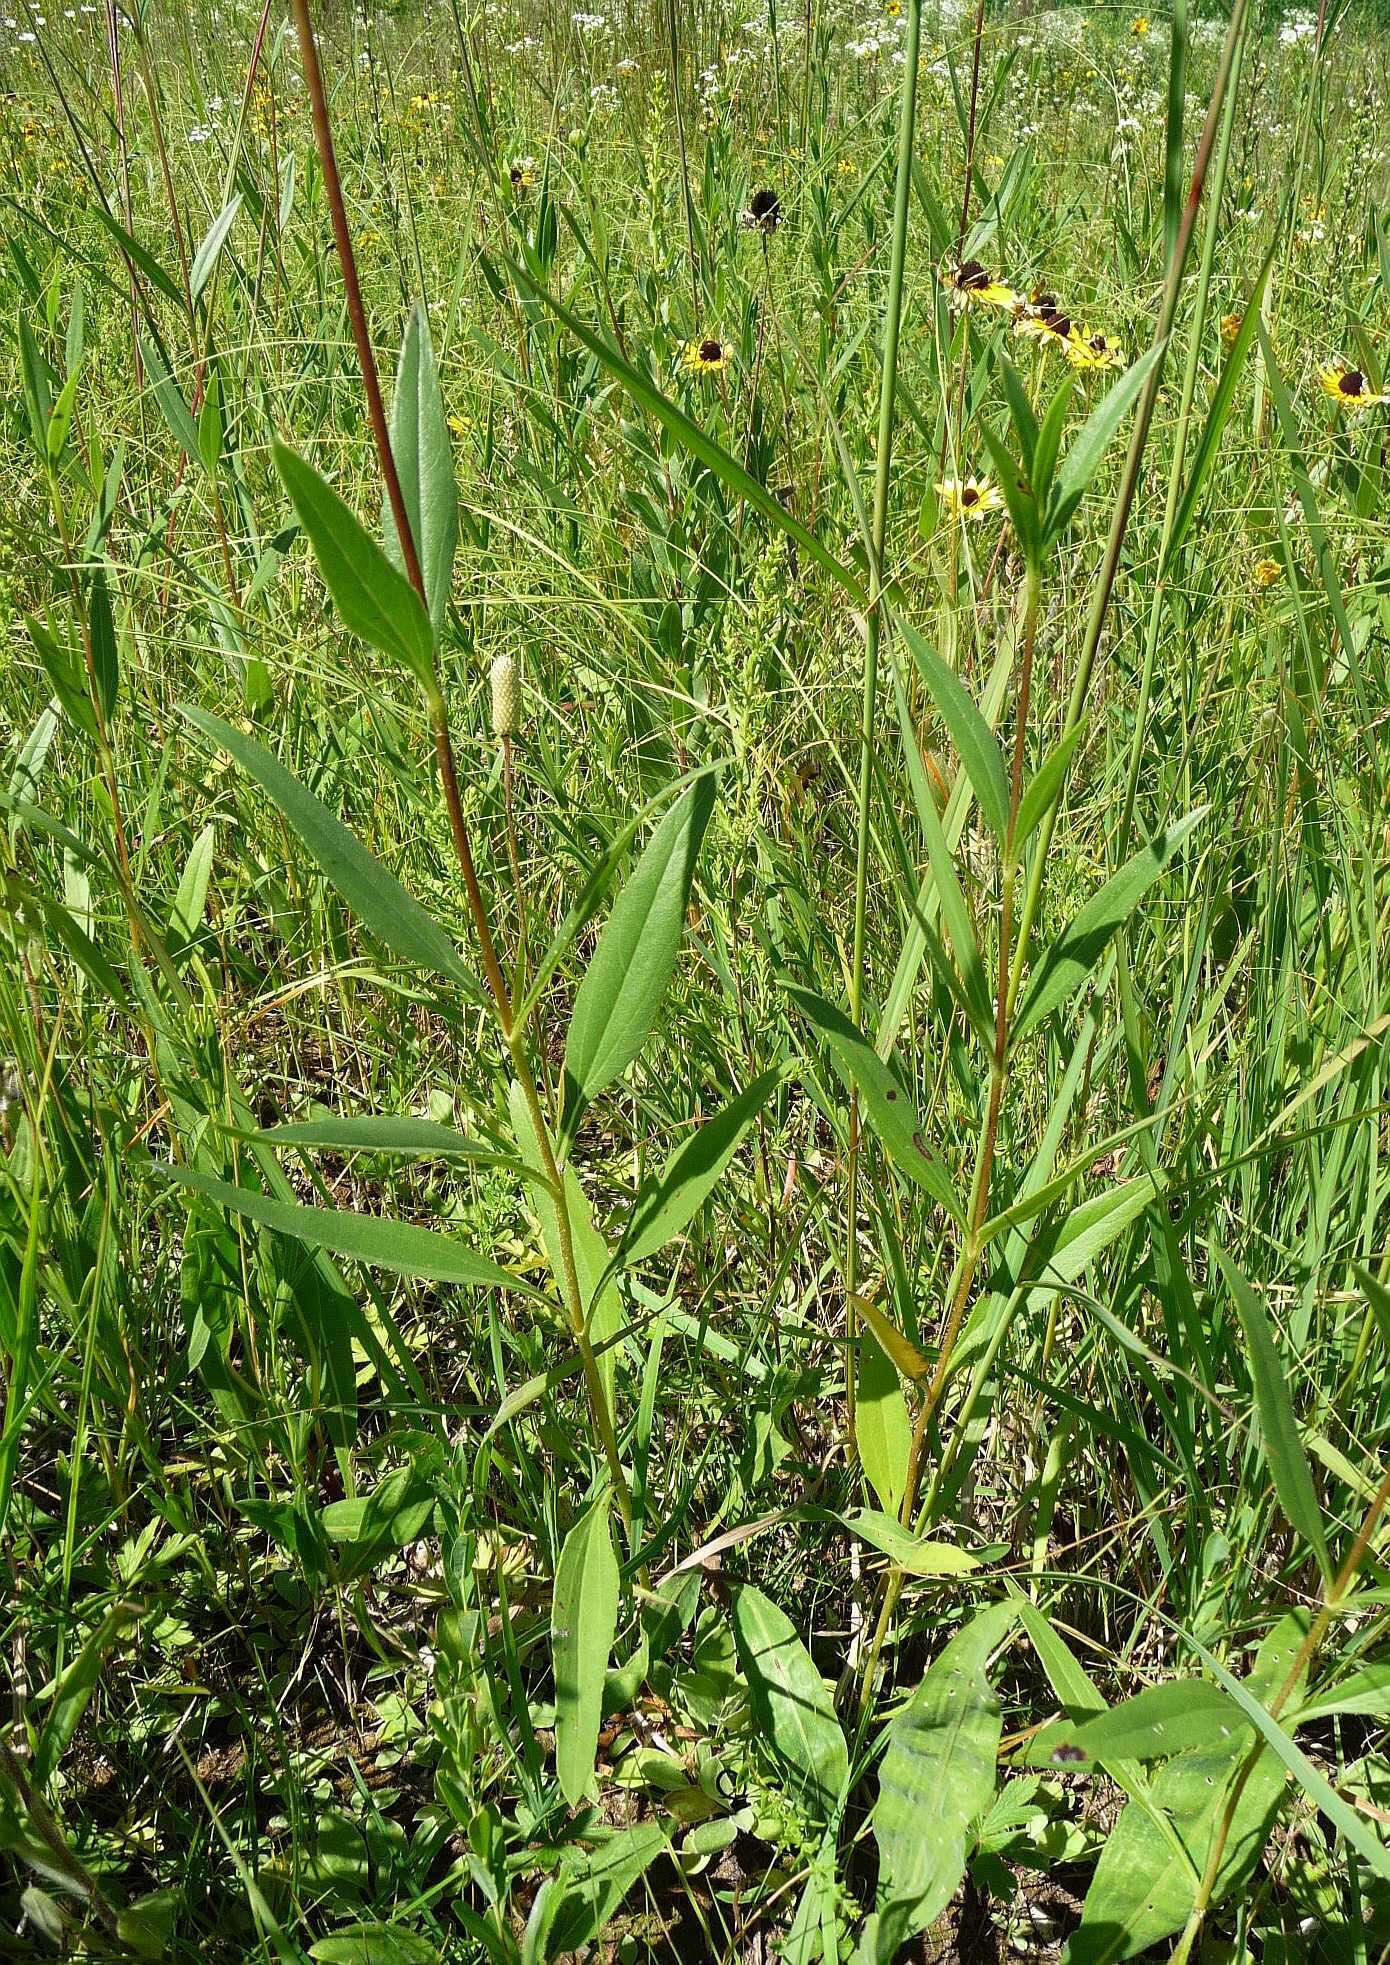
pixel 506 696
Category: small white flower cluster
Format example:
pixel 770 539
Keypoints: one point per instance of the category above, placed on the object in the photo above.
pixel 589 23
pixel 1298 27
pixel 604 97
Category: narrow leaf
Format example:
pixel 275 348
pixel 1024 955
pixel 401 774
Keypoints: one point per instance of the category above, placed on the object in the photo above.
pixel 204 260
pixel 583 1619
pixel 375 600
pixel 1283 1449
pixel 974 740
pixel 1091 442
pixel 381 1243
pixel 670 1200
pixel 1079 947
pixel 617 1003
pixel 889 1110
pixel 425 465
pixel 373 894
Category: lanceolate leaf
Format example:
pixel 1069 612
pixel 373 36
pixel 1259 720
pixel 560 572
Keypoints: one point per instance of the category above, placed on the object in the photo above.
pixel 375 600
pixel 793 1709
pixel 974 740
pixel 415 1139
pixel 667 1202
pixel 1079 947
pixel 1162 1721
pixel 887 1107
pixel 938 1774
pixel 206 256
pixel 1283 1449
pixel 1089 446
pixel 584 1617
pixel 372 893
pixel 882 1431
pixel 381 1243
pixel 425 465
pixel 621 994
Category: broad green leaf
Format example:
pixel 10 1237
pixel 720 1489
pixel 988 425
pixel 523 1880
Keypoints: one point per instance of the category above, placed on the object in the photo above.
pixel 671 1198
pixel 1161 1721
pixel 1088 447
pixel 882 1430
pixel 1045 785
pixel 621 994
pixel 1283 1449
pixel 1144 1887
pixel 200 272
pixel 583 1619
pixel 906 1550
pixel 794 1712
pixel 381 1243
pixel 136 254
pixel 725 467
pixel 106 660
pixel 887 1107
pixel 372 893
pixel 374 1944
pixel 425 466
pixel 937 1777
pixel 374 599
pixel 974 740
pixel 1146 1880
pixel 1016 490
pixel 974 990
pixel 1074 954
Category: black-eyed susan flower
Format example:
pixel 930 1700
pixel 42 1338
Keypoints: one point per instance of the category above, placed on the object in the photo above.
pixel 969 498
pixel 1349 387
pixel 1084 349
pixel 971 282
pixel 1266 571
pixel 1048 324
pixel 523 173
pixel 706 357
pixel 764 213
pixel 1230 328
pixel 1139 26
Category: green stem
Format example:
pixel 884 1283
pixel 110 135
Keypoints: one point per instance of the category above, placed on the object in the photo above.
pixel 907 117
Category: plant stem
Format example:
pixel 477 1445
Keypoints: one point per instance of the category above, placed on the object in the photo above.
pixel 907 116
pixel 448 774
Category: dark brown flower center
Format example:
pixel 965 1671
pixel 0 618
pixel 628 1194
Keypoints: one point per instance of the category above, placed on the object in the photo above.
pixel 970 496
pixel 972 276
pixel 710 351
pixel 766 207
pixel 1353 383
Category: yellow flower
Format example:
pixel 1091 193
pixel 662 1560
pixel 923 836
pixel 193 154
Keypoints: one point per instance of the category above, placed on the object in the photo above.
pixel 1140 24
pixel 1230 328
pixel 1349 387
pixel 847 167
pixel 893 8
pixel 1083 349
pixel 969 497
pixel 1045 322
pixel 1266 572
pixel 706 357
pixel 460 425
pixel 523 173
pixel 971 283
